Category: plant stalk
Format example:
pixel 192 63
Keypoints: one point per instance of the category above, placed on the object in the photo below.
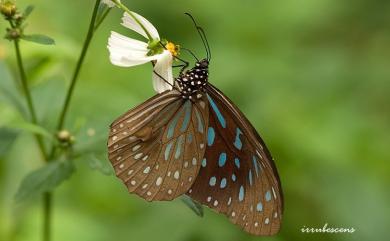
pixel 46 201
pixel 76 72
pixel 27 94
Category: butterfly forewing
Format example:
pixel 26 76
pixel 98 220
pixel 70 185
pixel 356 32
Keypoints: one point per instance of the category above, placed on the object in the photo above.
pixel 155 148
pixel 238 177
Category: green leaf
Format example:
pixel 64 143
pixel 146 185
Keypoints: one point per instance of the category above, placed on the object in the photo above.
pixel 9 89
pixel 39 39
pixel 45 179
pixel 12 119
pixel 101 166
pixel 35 129
pixel 6 141
pixel 193 205
pixel 28 11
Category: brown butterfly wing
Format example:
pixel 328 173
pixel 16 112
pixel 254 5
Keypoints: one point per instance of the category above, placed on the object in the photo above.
pixel 238 176
pixel 156 148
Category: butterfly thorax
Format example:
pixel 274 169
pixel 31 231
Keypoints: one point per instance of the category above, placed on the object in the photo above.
pixel 193 81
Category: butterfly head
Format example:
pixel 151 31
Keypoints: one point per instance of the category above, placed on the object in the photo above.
pixel 204 63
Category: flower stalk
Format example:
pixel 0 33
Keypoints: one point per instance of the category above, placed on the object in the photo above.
pixel 79 64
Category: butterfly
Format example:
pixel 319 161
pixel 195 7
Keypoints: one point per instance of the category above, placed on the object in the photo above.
pixel 194 140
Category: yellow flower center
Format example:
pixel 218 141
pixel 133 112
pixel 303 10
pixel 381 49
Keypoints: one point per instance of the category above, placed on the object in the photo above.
pixel 173 48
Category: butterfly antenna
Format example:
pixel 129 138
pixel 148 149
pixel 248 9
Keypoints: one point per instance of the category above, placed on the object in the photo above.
pixel 207 42
pixel 192 53
pixel 202 36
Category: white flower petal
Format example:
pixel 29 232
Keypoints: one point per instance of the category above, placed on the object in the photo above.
pixel 130 23
pixel 127 52
pixel 118 40
pixel 164 68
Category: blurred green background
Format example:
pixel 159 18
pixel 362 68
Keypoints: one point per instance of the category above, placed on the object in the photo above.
pixel 312 76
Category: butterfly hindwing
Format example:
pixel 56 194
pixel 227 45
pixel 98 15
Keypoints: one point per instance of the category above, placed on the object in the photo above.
pixel 155 148
pixel 238 177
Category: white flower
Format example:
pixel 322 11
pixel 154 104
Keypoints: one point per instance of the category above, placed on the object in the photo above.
pixel 127 52
pixel 109 3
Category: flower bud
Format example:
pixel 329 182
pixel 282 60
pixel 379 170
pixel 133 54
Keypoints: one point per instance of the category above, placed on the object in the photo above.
pixel 13 33
pixel 8 9
pixel 64 136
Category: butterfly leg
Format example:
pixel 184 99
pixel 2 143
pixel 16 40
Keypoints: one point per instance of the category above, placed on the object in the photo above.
pixel 184 65
pixel 179 65
pixel 166 81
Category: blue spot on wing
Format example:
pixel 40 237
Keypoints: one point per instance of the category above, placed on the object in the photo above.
pixel 222 159
pixel 167 151
pixel 255 163
pixel 241 194
pixel 189 137
pixel 259 207
pixel 237 142
pixel 200 122
pixel 178 147
pixel 210 136
pixel 250 177
pixel 172 125
pixel 213 181
pixel 268 196
pixel 187 115
pixel 237 162
pixel 220 117
pixel 204 162
pixel 223 183
pixel 234 178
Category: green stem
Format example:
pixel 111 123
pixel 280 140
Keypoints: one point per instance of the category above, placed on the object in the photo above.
pixel 47 207
pixel 98 23
pixel 29 100
pixel 78 67
pixel 124 8
pixel 46 196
